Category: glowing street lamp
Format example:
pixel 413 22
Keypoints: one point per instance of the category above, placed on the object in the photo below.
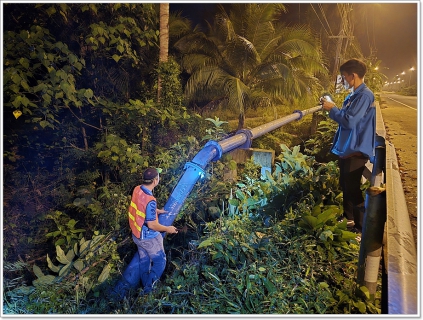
pixel 409 80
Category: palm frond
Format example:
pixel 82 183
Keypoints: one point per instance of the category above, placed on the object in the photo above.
pixel 237 92
pixel 196 61
pixel 242 56
pixel 207 81
pixel 259 26
pixel 259 99
pixel 223 27
pixel 178 25
pixel 251 59
pixel 271 70
pixel 196 42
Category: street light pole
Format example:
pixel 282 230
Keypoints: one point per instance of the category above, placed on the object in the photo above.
pixel 409 80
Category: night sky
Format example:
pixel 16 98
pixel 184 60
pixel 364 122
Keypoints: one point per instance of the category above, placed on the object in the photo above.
pixel 390 28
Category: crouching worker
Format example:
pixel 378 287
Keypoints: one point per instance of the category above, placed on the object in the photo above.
pixel 150 261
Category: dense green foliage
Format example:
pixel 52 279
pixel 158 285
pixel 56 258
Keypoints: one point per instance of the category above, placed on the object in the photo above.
pixel 273 249
pixel 248 59
pixel 81 122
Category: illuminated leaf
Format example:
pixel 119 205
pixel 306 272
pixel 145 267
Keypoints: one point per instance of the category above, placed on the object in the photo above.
pixel 44 123
pixel 17 113
pixel 70 255
pixel 61 257
pixel 44 280
pixel 205 243
pixel 65 270
pixel 104 274
pixel 37 271
pixel 79 265
pixel 52 267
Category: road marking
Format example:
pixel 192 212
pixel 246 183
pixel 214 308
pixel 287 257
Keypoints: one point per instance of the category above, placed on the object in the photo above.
pixel 402 103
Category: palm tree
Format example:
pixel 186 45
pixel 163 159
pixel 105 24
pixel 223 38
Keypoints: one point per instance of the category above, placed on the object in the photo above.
pixel 164 40
pixel 374 77
pixel 248 58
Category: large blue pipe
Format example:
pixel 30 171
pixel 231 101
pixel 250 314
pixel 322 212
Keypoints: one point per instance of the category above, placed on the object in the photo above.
pixel 213 151
pixel 194 170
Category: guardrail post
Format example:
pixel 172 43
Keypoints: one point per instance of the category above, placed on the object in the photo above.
pixel 375 215
pixel 372 239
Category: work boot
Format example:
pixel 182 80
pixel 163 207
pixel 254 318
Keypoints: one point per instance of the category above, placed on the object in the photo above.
pixel 357 232
pixel 350 224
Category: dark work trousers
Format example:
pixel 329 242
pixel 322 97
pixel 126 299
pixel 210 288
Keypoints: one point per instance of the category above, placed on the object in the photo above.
pixel 350 171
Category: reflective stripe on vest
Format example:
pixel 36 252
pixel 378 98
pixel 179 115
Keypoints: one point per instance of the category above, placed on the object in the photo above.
pixel 136 210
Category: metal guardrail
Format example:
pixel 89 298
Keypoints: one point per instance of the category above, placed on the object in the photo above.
pixel 400 254
pixel 387 231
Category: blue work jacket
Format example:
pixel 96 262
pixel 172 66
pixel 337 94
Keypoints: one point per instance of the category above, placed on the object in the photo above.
pixel 357 124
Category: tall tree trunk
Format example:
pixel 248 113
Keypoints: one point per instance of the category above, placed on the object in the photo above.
pixel 164 41
pixel 84 134
pixel 241 121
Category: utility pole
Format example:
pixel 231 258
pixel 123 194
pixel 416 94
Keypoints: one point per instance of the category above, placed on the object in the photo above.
pixel 345 32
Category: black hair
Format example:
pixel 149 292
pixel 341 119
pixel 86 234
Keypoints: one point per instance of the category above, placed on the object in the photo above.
pixel 354 66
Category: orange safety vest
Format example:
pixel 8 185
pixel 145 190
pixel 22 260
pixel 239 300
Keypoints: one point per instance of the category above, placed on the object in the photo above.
pixel 136 210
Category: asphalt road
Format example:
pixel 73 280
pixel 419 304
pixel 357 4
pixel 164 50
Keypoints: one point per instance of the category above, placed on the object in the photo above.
pixel 406 101
pixel 400 117
pixel 407 107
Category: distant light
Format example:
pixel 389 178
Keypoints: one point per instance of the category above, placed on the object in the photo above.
pixel 403 72
pixel 412 69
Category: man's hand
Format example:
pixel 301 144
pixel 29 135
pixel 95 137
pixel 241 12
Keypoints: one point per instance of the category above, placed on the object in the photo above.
pixel 327 105
pixel 156 226
pixel 171 229
pixel 160 211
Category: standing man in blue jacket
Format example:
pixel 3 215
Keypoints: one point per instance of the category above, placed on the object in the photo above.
pixel 354 141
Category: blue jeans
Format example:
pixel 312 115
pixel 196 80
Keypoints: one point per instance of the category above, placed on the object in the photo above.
pixel 152 260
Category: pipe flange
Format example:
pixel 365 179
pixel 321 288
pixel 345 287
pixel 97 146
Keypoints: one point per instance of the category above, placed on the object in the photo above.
pixel 218 148
pixel 195 167
pixel 300 112
pixel 249 136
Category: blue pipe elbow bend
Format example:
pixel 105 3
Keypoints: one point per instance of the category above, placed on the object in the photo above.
pixel 194 170
pixel 212 151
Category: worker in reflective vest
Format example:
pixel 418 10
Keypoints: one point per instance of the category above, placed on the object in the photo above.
pixel 145 226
